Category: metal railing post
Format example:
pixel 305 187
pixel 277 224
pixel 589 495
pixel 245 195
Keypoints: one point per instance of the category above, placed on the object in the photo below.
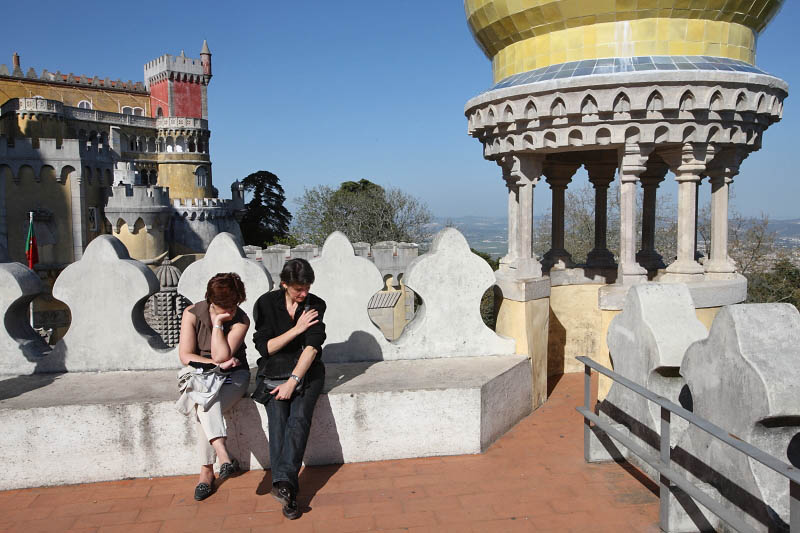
pixel 664 483
pixel 587 393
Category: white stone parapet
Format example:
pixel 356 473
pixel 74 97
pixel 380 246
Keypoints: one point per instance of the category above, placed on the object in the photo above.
pixel 182 123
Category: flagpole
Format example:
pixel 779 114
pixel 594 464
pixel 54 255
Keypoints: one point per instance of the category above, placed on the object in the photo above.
pixel 30 221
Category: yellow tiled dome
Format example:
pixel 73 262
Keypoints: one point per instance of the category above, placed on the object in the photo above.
pixel 522 35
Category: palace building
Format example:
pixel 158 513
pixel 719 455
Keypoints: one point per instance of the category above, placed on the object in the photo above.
pixel 90 156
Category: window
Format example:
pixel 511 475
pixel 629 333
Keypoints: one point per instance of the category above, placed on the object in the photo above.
pixel 127 110
pixel 138 111
pixel 85 104
pixel 160 112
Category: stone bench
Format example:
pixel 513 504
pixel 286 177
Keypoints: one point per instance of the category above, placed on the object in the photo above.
pixel 86 427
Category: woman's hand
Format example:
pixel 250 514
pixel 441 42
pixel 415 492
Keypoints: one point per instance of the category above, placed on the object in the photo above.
pixel 230 363
pixel 284 391
pixel 306 320
pixel 217 317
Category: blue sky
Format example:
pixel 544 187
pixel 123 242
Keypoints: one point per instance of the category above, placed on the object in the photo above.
pixel 320 92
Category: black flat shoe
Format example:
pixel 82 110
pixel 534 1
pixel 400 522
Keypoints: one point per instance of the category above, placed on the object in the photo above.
pixel 283 493
pixel 226 470
pixel 291 511
pixel 203 491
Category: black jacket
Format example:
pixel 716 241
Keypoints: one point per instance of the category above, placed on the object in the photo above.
pixel 272 320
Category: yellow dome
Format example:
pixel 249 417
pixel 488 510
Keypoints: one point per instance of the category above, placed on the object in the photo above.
pixel 521 35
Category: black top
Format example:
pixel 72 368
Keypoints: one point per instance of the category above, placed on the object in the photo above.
pixel 203 330
pixel 272 320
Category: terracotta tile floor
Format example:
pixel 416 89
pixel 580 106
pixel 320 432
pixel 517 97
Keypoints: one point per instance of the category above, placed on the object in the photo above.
pixel 532 479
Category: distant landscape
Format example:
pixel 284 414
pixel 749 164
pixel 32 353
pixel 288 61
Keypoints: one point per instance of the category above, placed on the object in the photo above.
pixel 490 234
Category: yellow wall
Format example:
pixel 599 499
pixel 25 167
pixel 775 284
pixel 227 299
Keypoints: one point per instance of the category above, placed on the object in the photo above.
pixel 101 99
pixel 575 322
pixel 180 177
pixel 29 195
pixel 526 323
pixel 140 243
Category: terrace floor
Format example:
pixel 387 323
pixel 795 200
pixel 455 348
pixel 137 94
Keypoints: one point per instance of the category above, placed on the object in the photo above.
pixel 532 479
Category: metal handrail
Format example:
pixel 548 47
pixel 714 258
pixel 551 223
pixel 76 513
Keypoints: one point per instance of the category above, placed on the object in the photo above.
pixel 669 476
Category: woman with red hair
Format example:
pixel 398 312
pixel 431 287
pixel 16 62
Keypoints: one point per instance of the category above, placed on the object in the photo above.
pixel 217 373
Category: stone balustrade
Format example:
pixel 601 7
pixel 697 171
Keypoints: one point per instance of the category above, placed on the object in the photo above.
pixel 181 123
pixel 741 375
pixel 449 279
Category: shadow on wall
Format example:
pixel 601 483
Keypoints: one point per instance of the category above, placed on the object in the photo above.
pixel 359 346
pixel 747 502
pixel 556 342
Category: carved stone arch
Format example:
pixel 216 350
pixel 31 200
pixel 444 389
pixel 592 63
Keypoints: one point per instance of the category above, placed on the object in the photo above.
pixel 490 117
pixel 622 104
pixel 47 171
pixel 117 226
pixel 589 106
pixel 528 141
pixel 575 138
pixel 687 102
pixel 741 102
pixel 714 134
pixel 531 113
pixel 5 174
pixel 716 103
pixel 508 113
pixel 65 172
pixel 761 106
pixel 509 143
pixel 558 108
pixel 655 103
pixel 550 139
pixel 632 135
pixel 25 172
pixel 603 136
pixel 689 134
pixel 661 134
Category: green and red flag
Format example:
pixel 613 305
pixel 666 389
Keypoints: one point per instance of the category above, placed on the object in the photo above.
pixel 31 249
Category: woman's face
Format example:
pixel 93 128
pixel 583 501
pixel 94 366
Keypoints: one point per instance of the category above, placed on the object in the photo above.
pixel 297 292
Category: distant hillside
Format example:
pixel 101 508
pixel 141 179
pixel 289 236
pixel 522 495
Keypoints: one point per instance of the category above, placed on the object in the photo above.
pixel 489 234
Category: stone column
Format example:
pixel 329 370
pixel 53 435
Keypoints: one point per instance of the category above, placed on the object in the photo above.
pixel 523 311
pixel 721 173
pixel 558 176
pixel 601 175
pixel 521 173
pixel 80 236
pixel 650 179
pixel 633 162
pixel 688 164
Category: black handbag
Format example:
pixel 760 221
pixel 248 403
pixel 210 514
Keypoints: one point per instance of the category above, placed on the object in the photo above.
pixel 265 386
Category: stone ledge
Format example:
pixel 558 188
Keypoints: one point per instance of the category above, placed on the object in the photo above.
pixel 714 293
pixel 86 427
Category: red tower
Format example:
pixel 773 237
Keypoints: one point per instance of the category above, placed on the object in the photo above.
pixel 178 85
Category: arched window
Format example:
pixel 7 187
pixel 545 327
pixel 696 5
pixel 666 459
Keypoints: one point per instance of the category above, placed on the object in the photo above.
pixel 138 111
pixel 127 110
pixel 202 176
pixel 160 112
pixel 85 104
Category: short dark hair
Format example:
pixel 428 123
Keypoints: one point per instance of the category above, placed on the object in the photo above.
pixel 225 290
pixel 297 272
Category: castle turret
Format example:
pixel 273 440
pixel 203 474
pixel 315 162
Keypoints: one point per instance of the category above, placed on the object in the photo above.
pixel 205 60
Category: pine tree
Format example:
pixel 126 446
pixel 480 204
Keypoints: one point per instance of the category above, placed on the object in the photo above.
pixel 267 220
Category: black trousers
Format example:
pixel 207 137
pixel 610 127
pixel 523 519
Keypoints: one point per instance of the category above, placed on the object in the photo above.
pixel 289 426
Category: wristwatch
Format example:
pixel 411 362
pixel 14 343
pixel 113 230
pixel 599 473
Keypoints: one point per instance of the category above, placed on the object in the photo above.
pixel 295 377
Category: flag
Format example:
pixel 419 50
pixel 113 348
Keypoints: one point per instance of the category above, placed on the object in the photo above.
pixel 31 249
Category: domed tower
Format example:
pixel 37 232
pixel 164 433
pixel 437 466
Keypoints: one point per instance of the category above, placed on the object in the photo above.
pixel 630 91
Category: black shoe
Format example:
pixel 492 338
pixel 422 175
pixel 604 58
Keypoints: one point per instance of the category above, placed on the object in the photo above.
pixel 226 470
pixel 291 511
pixel 203 491
pixel 283 492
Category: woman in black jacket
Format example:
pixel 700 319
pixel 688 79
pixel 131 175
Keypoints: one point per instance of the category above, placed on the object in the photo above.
pixel 289 333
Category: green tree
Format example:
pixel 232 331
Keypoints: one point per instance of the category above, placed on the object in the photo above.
pixel 362 210
pixel 781 284
pixel 266 220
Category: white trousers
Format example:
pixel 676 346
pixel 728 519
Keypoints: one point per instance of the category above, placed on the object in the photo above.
pixel 211 422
